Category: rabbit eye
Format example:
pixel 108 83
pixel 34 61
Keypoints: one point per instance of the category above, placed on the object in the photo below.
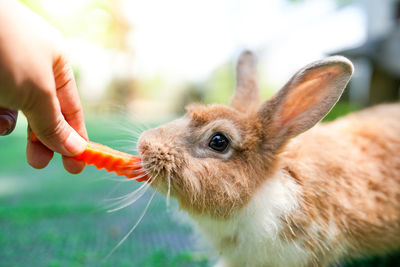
pixel 219 142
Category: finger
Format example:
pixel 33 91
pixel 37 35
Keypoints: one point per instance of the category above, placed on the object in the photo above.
pixel 50 127
pixel 38 155
pixel 8 120
pixel 68 97
pixel 71 108
pixel 72 165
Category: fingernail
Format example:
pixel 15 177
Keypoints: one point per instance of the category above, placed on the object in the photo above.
pixel 5 125
pixel 5 131
pixel 75 143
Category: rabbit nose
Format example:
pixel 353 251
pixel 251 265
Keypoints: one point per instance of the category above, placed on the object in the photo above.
pixel 144 142
pixel 150 141
pixel 156 155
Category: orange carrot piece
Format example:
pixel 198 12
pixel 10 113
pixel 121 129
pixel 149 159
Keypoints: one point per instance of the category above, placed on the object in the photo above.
pixel 104 157
pixel 33 137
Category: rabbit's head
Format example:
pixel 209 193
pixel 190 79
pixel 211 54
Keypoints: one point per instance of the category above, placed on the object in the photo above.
pixel 215 157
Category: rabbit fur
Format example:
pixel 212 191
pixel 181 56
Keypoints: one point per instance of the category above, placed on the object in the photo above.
pixel 288 190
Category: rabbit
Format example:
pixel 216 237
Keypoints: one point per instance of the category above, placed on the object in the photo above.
pixel 268 185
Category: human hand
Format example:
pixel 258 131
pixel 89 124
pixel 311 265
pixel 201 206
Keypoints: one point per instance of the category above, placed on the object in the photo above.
pixel 36 78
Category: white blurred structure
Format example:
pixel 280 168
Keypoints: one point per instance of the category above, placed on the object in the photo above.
pixel 187 39
pixel 377 60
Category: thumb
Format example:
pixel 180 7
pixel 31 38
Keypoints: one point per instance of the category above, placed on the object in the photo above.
pixel 50 127
pixel 8 119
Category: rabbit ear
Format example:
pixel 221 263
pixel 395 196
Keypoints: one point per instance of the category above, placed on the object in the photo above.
pixel 246 96
pixel 305 99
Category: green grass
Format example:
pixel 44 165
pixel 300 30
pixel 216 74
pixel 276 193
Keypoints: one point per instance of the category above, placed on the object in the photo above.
pixel 340 109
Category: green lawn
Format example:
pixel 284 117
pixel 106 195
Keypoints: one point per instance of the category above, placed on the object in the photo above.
pixel 51 218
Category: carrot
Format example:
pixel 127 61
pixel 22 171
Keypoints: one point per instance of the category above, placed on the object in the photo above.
pixel 33 137
pixel 104 157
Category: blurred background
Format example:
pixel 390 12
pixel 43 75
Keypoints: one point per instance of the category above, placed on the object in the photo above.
pixel 137 64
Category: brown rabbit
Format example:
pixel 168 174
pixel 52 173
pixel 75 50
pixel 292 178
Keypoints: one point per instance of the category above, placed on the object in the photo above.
pixel 265 194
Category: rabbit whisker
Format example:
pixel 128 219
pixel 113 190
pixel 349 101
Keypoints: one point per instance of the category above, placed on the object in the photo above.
pixel 133 228
pixel 132 197
pixel 126 196
pixel 169 190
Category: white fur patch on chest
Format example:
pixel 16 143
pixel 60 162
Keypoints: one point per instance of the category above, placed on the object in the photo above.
pixel 251 237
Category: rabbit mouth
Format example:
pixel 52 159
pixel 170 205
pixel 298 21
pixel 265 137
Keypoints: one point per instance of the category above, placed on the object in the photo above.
pixel 164 164
pixel 162 179
pixel 158 163
pixel 160 167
